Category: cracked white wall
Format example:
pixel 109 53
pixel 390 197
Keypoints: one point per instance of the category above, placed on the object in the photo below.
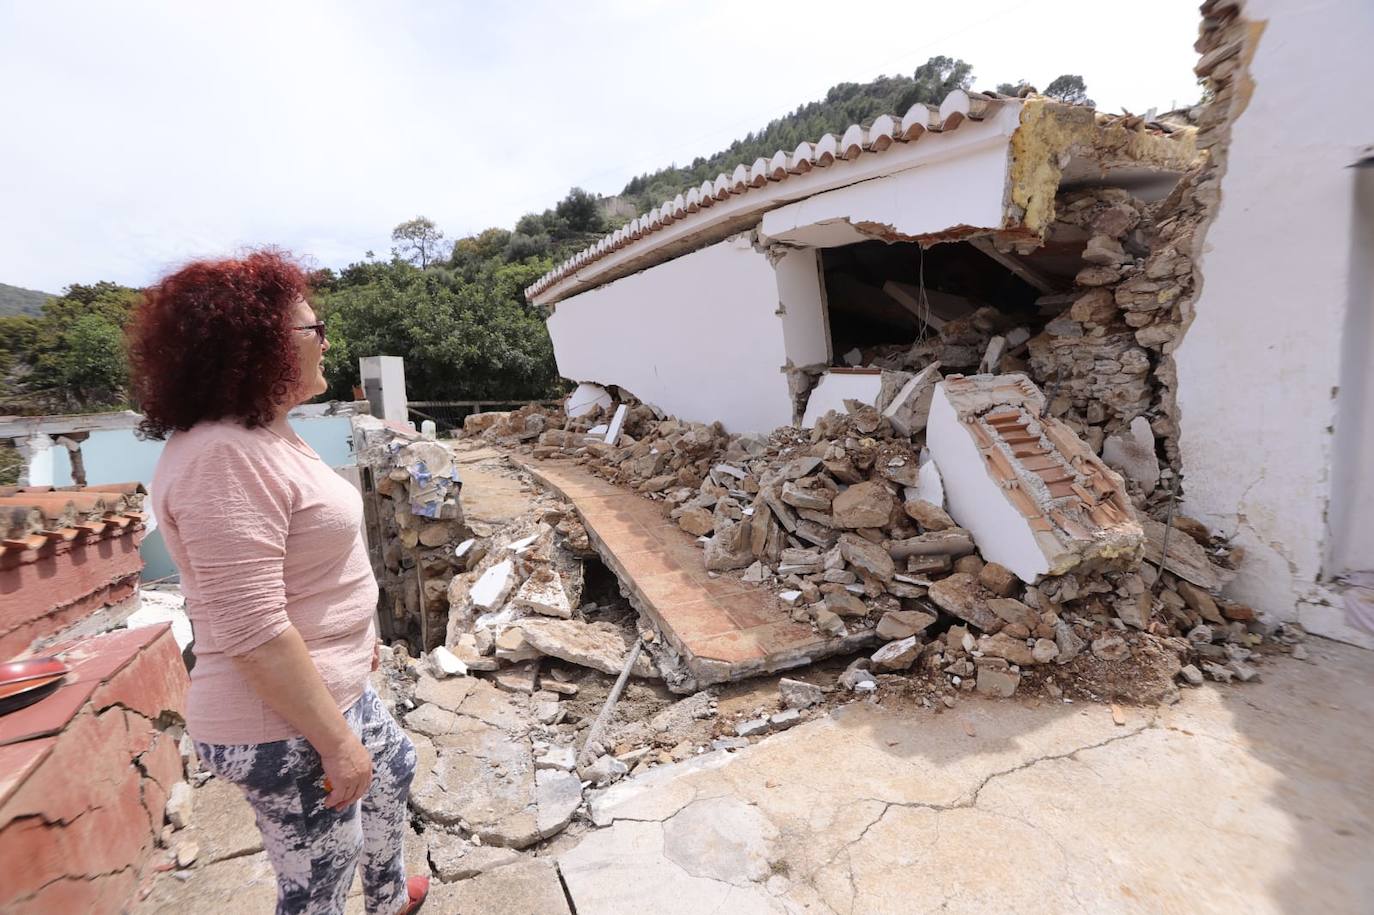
pixel 1260 366
pixel 932 197
pixel 702 337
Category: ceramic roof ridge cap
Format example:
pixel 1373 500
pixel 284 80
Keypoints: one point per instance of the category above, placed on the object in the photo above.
pixel 958 105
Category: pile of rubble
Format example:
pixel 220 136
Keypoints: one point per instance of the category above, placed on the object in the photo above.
pixel 1057 577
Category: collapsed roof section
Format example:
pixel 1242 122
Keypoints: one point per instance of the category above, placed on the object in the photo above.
pixel 1034 147
pixel 1037 499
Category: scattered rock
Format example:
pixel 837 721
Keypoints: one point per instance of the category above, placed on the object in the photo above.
pixel 797 694
pixel 752 728
pixel 1044 651
pixel 1001 645
pixel 180 803
pixel 867 504
pixel 1191 675
pixel 187 852
pixel 931 517
pixel 998 579
pixel 901 624
pixel 604 771
pixel 445 663
pixel 785 719
pixel 1110 648
pixel 858 680
pixel 896 656
pixel 958 594
pixel 543 593
pixel 997 682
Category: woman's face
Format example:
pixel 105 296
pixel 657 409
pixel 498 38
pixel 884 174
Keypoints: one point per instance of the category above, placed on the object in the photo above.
pixel 310 350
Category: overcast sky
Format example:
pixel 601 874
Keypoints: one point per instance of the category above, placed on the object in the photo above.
pixel 138 135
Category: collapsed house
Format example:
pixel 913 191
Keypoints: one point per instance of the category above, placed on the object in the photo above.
pixel 1023 235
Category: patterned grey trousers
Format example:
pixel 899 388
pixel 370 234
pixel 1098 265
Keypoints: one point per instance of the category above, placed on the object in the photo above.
pixel 315 850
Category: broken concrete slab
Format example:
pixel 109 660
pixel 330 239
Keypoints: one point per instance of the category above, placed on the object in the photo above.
pixel 713 854
pixel 543 593
pixel 601 646
pixel 1037 499
pixel 486 780
pixel 526 887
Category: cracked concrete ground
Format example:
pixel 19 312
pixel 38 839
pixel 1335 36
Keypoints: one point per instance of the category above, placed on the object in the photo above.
pixel 1252 798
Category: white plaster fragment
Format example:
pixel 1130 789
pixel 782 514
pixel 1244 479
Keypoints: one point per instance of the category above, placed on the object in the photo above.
pixel 617 423
pixel 494 586
pixel 585 398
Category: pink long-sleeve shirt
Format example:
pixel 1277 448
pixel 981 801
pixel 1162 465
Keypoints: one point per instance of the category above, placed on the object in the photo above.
pixel 265 536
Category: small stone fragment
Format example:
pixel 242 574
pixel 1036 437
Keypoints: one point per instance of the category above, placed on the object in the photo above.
pixel 995 682
pixel 900 624
pixel 998 579
pixel 896 656
pixel 179 805
pixel 797 694
pixel 858 680
pixel 1110 648
pixel 1044 651
pixel 785 719
pixel 752 728
pixel 1191 675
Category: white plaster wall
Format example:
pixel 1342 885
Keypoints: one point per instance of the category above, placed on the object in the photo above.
pixel 801 306
pixel 834 388
pixel 967 191
pixel 1352 503
pixel 1259 367
pixel 699 337
pixel 975 499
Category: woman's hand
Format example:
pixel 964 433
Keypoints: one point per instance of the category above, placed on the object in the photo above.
pixel 376 654
pixel 347 773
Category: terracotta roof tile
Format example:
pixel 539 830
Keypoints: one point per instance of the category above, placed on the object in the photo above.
pixel 32 517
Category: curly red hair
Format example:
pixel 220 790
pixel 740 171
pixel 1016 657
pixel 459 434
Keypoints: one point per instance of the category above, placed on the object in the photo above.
pixel 213 341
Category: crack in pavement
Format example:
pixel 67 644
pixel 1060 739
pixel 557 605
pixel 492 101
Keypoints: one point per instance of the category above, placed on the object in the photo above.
pixel 968 803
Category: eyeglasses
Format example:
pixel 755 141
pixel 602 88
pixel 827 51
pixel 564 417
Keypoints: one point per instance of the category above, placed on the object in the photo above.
pixel 317 327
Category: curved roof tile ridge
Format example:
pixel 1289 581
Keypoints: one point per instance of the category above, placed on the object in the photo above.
pixel 884 132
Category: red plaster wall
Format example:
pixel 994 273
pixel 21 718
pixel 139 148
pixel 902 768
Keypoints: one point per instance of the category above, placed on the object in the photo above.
pixel 63 584
pixel 77 832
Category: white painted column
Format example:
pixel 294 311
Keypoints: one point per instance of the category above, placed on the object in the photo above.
pixel 384 384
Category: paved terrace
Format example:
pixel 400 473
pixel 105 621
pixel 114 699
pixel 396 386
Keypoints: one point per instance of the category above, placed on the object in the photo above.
pixel 723 628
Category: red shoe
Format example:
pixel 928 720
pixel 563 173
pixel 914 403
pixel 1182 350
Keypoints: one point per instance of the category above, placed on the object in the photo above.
pixel 417 888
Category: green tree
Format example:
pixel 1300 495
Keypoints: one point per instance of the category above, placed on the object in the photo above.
pixel 72 357
pixel 91 363
pixel 935 79
pixel 461 339
pixel 418 241
pixel 1015 88
pixel 1069 88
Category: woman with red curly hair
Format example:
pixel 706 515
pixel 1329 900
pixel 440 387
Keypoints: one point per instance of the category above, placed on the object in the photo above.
pixel 279 589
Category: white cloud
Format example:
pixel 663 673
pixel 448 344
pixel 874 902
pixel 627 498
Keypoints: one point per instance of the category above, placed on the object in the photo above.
pixel 143 134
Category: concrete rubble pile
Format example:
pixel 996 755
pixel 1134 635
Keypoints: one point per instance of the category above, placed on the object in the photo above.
pixel 1015 552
